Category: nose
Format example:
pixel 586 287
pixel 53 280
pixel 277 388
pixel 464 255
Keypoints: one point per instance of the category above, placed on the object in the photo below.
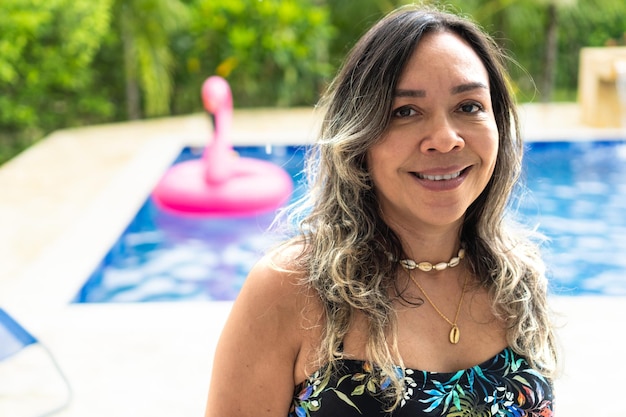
pixel 441 136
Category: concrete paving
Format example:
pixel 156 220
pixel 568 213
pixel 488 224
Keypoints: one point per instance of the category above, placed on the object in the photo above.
pixel 66 200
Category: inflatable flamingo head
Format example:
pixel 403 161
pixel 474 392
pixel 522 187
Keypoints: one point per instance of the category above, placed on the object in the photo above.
pixel 216 94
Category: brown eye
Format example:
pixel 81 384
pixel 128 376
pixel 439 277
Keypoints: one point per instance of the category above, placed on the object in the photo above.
pixel 404 111
pixel 470 107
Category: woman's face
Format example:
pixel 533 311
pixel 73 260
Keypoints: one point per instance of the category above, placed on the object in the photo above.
pixel 440 149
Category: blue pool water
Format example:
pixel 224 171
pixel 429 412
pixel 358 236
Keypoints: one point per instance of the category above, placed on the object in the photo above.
pixel 577 198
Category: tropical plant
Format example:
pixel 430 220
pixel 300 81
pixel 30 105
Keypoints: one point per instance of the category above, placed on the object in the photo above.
pixel 273 52
pixel 46 49
pixel 145 29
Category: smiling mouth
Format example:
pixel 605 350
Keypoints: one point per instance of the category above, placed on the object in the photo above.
pixel 444 177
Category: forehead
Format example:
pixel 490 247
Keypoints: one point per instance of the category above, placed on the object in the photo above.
pixel 443 56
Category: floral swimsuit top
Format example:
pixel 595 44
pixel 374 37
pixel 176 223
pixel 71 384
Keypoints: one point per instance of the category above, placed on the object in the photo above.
pixel 504 385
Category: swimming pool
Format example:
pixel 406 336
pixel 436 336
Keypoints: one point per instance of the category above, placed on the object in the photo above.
pixel 577 198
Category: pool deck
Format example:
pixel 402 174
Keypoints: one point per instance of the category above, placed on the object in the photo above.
pixel 64 202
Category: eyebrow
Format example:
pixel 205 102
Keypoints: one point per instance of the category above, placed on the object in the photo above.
pixel 462 88
pixel 410 93
pixel 467 87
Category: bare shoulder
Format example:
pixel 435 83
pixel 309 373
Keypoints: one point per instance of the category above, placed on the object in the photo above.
pixel 276 283
pixel 263 338
pixel 272 298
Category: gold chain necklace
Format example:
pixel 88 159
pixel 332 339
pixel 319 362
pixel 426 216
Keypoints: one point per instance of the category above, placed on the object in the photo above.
pixel 410 264
pixel 455 333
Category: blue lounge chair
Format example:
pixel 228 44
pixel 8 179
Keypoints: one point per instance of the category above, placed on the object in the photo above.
pixel 13 340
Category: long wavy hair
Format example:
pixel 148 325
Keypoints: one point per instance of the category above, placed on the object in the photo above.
pixel 346 245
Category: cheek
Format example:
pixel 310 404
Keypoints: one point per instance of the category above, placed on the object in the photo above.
pixel 376 175
pixel 490 155
pixel 387 148
pixel 493 157
pixel 490 162
pixel 375 162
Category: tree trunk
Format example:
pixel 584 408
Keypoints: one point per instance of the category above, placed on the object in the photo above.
pixel 549 69
pixel 133 95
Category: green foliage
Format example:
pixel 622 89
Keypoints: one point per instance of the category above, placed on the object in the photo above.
pixel 46 47
pixel 591 23
pixel 520 28
pixel 351 19
pixel 135 61
pixel 272 52
pixel 74 62
pixel 144 30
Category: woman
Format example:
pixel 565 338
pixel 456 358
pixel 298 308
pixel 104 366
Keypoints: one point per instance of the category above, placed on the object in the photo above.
pixel 406 290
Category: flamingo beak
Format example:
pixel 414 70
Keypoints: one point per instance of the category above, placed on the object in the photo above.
pixel 213 120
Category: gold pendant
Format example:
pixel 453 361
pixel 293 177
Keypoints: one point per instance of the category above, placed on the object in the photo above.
pixel 454 334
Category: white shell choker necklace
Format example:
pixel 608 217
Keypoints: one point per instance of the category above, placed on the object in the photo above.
pixel 427 266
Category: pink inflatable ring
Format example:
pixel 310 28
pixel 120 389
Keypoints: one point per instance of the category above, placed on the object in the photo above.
pixel 221 183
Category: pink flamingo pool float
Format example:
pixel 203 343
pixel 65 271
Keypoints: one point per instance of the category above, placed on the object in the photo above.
pixel 221 184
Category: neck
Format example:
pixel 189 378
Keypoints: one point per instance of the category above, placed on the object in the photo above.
pixel 432 247
pixel 427 242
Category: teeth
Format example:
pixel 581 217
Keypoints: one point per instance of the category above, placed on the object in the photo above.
pixel 439 177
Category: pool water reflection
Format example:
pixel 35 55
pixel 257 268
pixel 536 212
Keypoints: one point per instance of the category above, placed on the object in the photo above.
pixel 578 198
